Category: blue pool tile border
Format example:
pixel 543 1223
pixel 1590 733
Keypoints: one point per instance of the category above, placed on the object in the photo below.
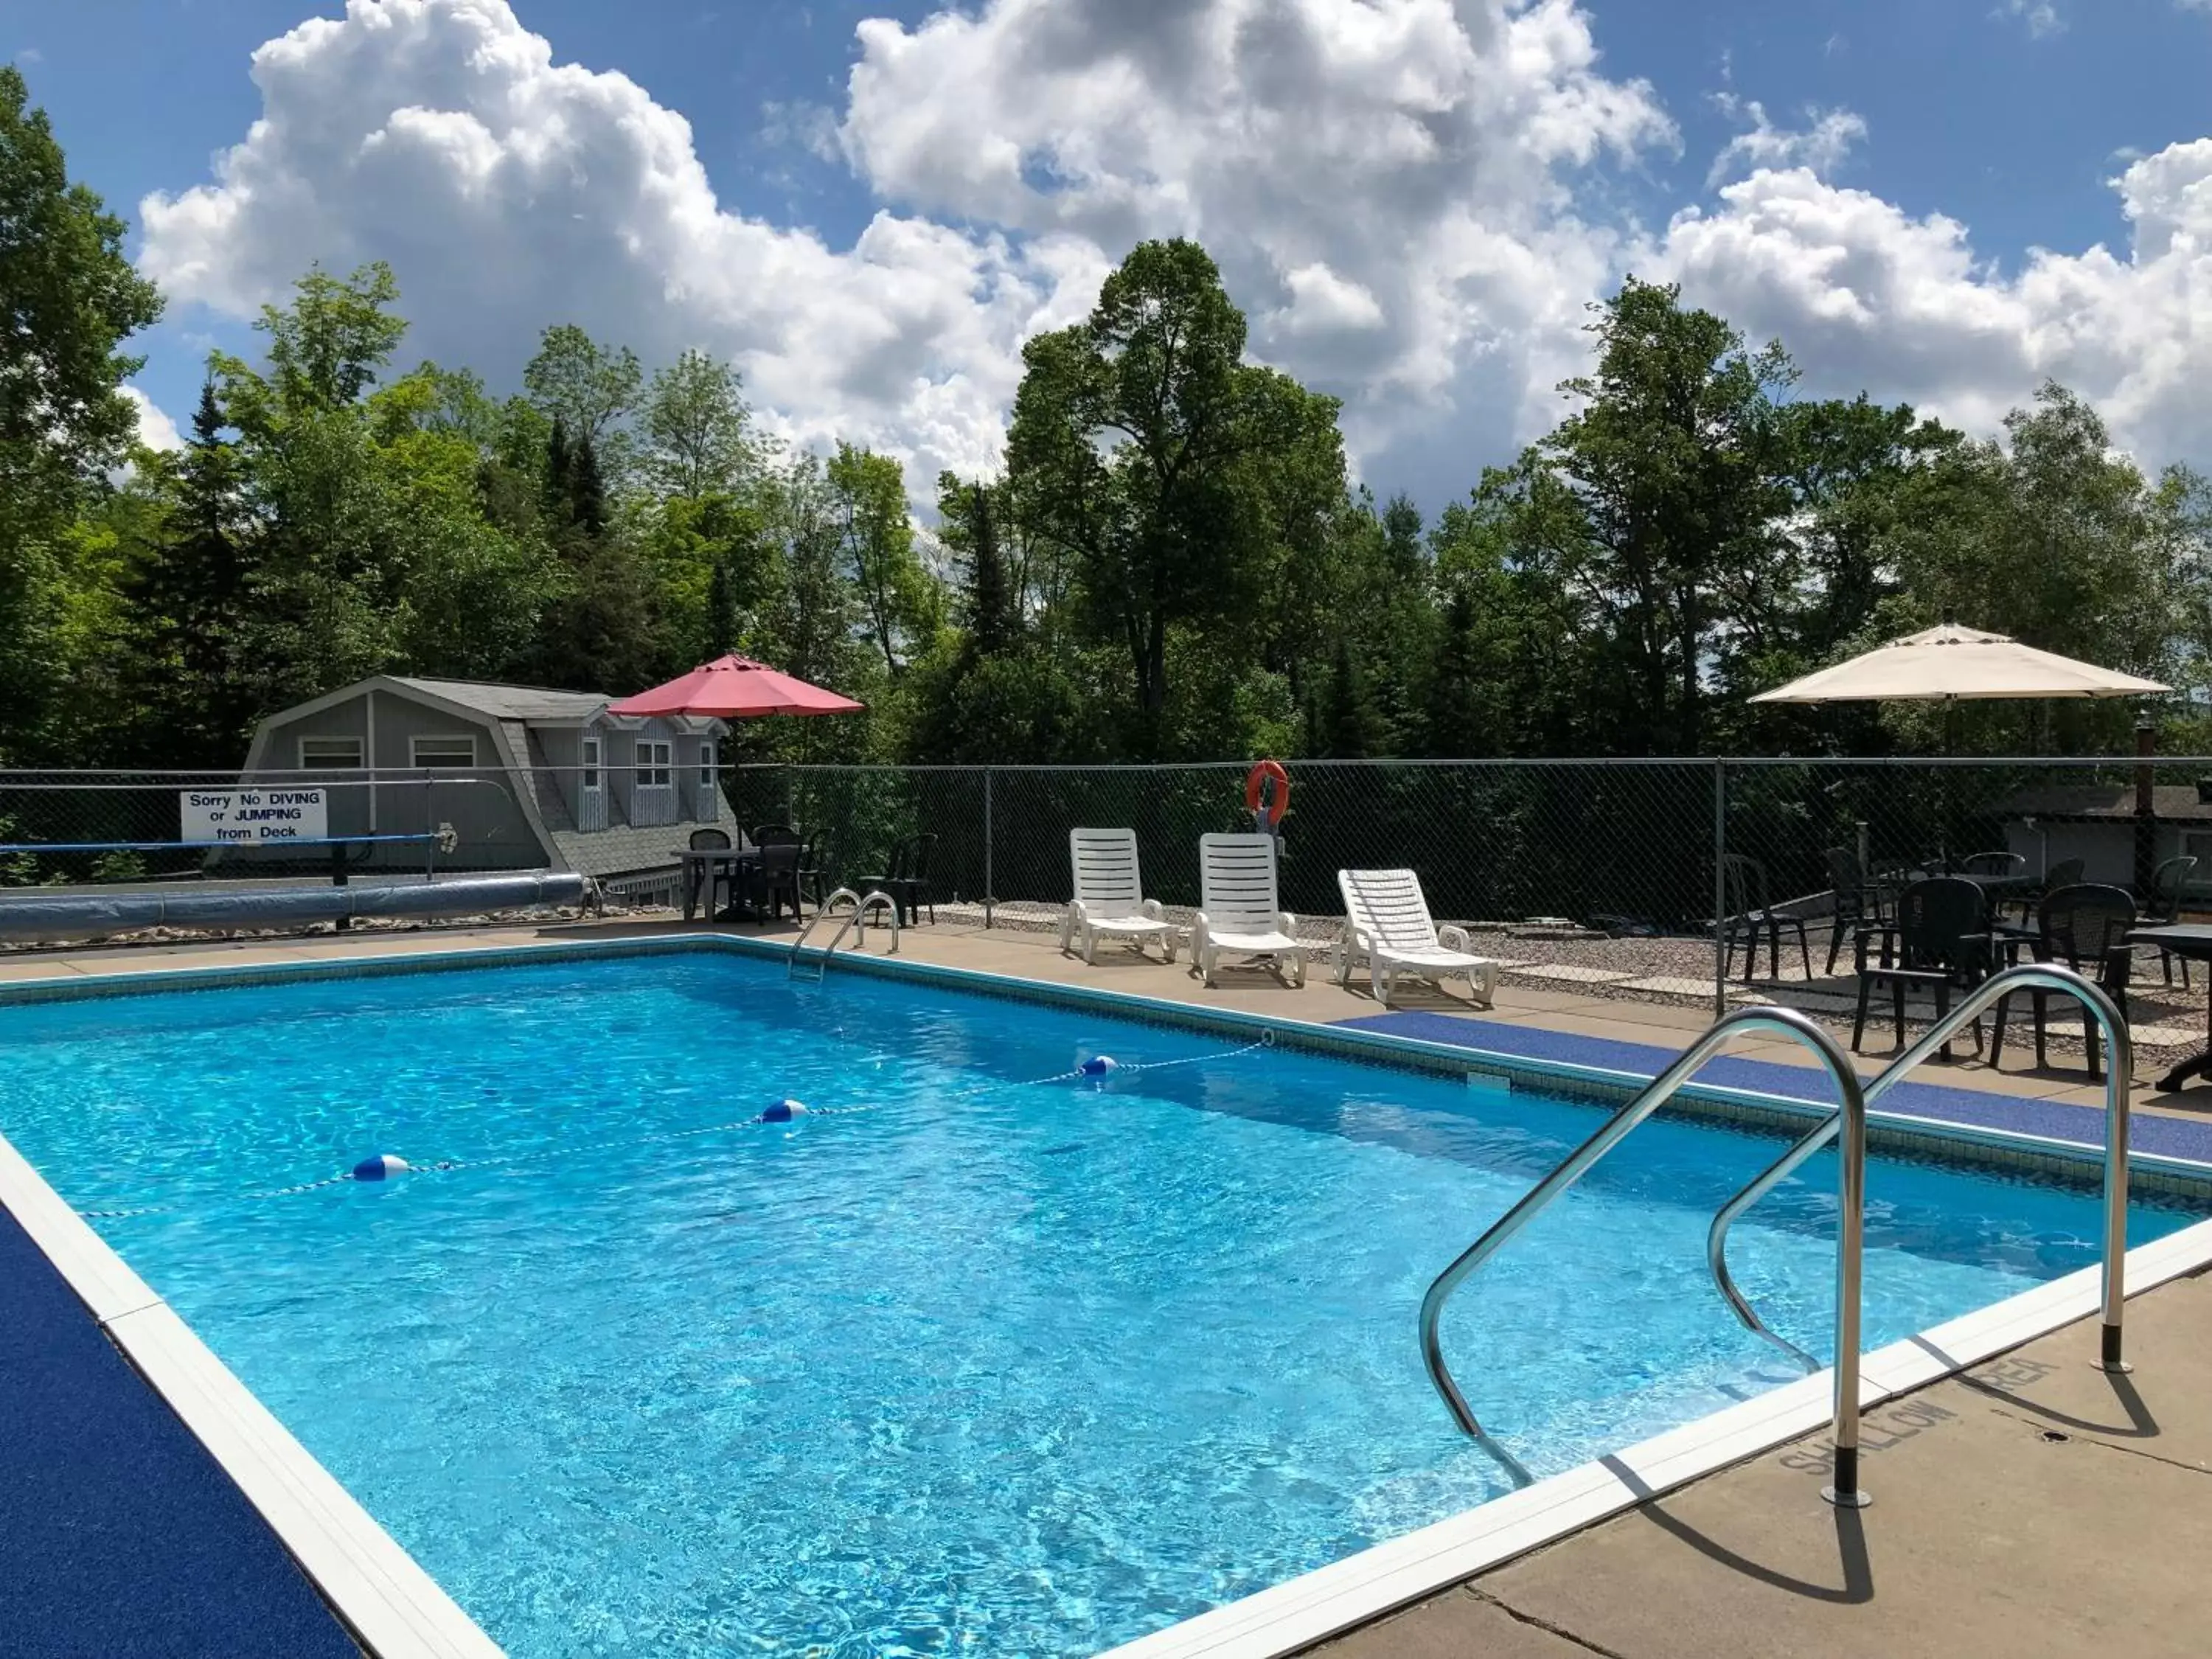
pixel 1980 1109
pixel 120 1534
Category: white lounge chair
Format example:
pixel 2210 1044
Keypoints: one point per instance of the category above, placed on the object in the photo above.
pixel 1237 910
pixel 1109 899
pixel 1386 918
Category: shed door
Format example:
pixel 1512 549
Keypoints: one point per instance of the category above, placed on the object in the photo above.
pixel 592 787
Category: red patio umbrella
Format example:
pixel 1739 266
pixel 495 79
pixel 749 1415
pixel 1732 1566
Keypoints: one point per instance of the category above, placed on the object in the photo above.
pixel 735 687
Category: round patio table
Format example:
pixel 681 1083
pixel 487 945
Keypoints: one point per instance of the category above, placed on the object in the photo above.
pixel 2192 940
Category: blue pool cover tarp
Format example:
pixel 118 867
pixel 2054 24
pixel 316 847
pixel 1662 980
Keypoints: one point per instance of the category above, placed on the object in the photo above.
pixel 120 1538
pixel 2170 1137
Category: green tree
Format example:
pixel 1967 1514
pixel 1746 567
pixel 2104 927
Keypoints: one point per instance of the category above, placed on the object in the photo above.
pixel 589 388
pixel 602 628
pixel 2054 538
pixel 898 599
pixel 327 348
pixel 1168 471
pixel 586 505
pixel 698 434
pixel 1345 726
pixel 368 542
pixel 972 520
pixel 187 600
pixel 721 615
pixel 1675 466
pixel 71 298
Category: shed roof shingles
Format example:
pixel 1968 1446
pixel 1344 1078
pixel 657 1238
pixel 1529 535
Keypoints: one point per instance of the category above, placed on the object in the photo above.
pixel 509 702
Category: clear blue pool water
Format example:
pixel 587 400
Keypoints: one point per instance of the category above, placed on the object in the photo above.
pixel 973 1364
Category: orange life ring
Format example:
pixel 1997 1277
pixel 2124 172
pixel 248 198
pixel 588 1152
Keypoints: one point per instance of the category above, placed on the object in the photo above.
pixel 1280 802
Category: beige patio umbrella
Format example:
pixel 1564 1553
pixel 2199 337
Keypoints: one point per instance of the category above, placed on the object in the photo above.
pixel 1949 664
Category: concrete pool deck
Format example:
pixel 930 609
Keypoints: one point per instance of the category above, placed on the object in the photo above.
pixel 2032 1506
pixel 1986 1536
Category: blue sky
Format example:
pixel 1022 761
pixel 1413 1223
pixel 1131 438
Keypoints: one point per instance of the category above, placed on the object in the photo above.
pixel 2009 121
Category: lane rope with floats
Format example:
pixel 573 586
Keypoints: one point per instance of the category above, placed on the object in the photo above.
pixel 389 1166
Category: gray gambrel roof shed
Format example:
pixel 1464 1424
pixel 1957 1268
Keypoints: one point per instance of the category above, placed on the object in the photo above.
pixel 522 722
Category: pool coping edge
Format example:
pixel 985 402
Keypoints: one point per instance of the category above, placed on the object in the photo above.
pixel 386 1599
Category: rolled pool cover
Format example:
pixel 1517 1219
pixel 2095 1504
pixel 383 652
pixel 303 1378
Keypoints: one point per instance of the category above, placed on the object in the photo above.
pixel 34 916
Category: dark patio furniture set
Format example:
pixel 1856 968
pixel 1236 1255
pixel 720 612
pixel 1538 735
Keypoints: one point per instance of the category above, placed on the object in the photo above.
pixel 1944 931
pixel 781 867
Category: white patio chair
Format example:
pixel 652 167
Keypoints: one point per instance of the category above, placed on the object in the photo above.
pixel 1237 910
pixel 1386 917
pixel 1109 900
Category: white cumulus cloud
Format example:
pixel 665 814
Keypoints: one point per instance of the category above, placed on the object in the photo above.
pixel 2039 17
pixel 1414 200
pixel 1868 296
pixel 156 429
pixel 1818 146
pixel 1389 186
pixel 509 192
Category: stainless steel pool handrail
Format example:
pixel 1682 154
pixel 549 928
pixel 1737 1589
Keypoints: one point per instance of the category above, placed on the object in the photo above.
pixel 1851 1197
pixel 2119 1073
pixel 858 920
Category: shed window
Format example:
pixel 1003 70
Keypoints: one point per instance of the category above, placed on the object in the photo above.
pixel 655 760
pixel 330 754
pixel 591 763
pixel 448 751
pixel 707 764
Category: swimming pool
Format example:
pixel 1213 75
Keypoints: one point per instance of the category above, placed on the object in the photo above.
pixel 964 1361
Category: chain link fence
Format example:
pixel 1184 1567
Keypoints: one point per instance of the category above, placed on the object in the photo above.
pixel 1596 877
pixel 1601 878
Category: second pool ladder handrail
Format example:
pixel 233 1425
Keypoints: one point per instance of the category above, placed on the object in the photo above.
pixel 2119 1074
pixel 876 899
pixel 1850 1192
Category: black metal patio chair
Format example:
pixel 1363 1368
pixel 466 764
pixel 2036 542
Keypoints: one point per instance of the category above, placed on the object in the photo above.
pixel 777 877
pixel 813 871
pixel 2085 927
pixel 713 841
pixel 1861 900
pixel 1939 940
pixel 907 879
pixel 1752 917
pixel 2169 886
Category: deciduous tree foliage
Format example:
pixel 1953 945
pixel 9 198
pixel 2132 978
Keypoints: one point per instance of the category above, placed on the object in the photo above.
pixel 69 299
pixel 1167 561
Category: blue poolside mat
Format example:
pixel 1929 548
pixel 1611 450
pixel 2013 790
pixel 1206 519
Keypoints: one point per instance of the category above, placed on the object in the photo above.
pixel 119 1537
pixel 2170 1136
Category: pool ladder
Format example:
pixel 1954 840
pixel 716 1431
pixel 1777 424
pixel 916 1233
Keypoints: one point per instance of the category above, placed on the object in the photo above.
pixel 1849 1121
pixel 856 924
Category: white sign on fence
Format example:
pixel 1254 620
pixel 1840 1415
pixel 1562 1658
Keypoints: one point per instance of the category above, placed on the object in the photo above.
pixel 254 815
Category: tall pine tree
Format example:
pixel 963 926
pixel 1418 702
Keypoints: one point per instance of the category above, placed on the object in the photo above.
pixel 992 623
pixel 188 591
pixel 722 613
